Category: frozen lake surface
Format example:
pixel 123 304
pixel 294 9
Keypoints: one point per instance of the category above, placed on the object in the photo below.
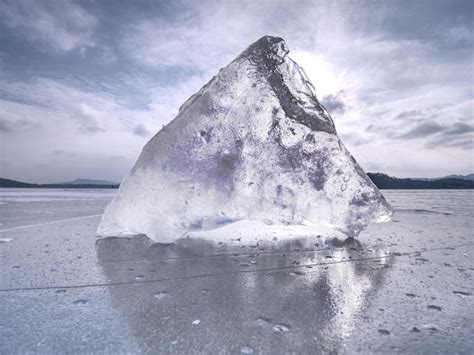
pixel 403 286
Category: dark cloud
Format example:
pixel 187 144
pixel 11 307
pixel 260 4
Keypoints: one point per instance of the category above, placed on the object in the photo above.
pixel 422 130
pixel 459 128
pixel 87 122
pixel 16 125
pixel 58 25
pixel 464 143
pixel 5 126
pixel 457 135
pixel 372 128
pixel 141 130
pixel 388 131
pixel 409 114
pixel 63 153
pixel 92 128
pixel 334 103
pixel 382 130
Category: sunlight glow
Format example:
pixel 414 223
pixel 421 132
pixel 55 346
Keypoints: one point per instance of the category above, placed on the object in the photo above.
pixel 322 74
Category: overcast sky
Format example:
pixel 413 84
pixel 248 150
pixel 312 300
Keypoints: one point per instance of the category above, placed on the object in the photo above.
pixel 85 84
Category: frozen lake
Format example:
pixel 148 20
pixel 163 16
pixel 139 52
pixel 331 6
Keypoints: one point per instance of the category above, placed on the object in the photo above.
pixel 403 286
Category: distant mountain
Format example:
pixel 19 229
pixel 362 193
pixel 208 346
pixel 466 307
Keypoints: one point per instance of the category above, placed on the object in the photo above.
pixel 81 181
pixel 76 184
pixel 463 177
pixel 383 181
pixel 14 183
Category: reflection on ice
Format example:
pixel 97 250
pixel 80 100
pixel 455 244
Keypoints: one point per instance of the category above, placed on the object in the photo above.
pixel 261 296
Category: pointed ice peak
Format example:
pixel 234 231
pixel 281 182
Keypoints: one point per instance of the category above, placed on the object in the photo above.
pixel 268 68
pixel 272 50
pixel 268 58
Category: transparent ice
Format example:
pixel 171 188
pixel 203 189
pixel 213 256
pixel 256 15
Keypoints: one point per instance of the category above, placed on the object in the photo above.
pixel 253 144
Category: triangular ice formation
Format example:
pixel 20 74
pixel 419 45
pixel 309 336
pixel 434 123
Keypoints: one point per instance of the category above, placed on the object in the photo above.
pixel 253 144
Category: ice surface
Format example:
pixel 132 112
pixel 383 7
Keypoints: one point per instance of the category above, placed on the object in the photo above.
pixel 239 291
pixel 253 144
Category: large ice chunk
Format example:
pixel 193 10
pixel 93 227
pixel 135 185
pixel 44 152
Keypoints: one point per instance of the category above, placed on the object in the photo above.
pixel 253 144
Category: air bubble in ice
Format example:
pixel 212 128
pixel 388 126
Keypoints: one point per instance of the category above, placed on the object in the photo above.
pixel 462 293
pixel 281 328
pixel 262 322
pixel 160 295
pixel 246 349
pixel 81 301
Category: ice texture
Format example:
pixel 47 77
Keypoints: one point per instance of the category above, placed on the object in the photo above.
pixel 253 144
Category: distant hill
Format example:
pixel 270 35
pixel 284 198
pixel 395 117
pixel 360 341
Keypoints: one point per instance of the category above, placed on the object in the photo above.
pixel 383 181
pixel 463 177
pixel 14 183
pixel 76 184
pixel 81 181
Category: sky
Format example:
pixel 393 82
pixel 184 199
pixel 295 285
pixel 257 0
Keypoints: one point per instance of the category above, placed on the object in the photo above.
pixel 85 84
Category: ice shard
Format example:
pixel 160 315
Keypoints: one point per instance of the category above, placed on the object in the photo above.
pixel 253 144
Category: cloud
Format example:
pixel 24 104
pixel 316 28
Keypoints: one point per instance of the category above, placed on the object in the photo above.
pixel 443 141
pixel 5 126
pixel 445 133
pixel 422 130
pixel 45 101
pixel 458 135
pixel 8 125
pixel 354 138
pixel 459 128
pixel 334 103
pixel 88 118
pixel 392 74
pixel 63 153
pixel 410 115
pixel 141 130
pixel 60 25
pixel 13 120
pixel 91 130
pixel 181 45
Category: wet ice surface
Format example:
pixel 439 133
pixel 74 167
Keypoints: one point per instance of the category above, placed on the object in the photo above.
pixel 404 286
